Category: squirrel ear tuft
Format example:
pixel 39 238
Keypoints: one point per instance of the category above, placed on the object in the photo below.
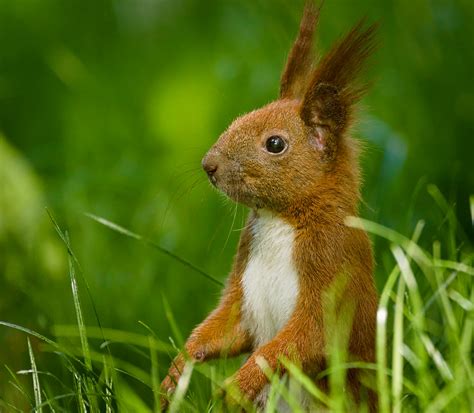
pixel 333 89
pixel 295 76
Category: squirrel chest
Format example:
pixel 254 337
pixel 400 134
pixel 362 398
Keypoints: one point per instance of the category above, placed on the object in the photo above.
pixel 270 280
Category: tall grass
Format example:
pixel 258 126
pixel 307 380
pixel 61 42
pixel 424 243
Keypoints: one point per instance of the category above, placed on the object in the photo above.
pixel 423 343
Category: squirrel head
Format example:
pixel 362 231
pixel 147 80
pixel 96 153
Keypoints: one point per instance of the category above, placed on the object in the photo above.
pixel 295 149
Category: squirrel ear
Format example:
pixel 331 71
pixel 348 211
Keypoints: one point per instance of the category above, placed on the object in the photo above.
pixel 324 112
pixel 332 91
pixel 295 76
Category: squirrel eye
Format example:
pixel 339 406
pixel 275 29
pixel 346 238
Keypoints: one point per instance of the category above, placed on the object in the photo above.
pixel 275 144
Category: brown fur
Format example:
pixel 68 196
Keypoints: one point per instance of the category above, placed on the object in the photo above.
pixel 301 58
pixel 314 186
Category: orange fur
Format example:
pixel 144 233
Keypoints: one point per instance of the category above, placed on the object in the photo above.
pixel 313 185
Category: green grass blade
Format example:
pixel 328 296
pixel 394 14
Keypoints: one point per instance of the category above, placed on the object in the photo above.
pixel 465 349
pixel 77 307
pixel 48 402
pixel 172 322
pixel 45 373
pixel 438 359
pixel 114 336
pixel 80 399
pixel 120 365
pixel 16 383
pixel 381 332
pixel 397 345
pixel 283 390
pixel 63 236
pixel 36 381
pixel 306 382
pixel 416 314
pixel 107 372
pixel 412 286
pixel 128 400
pixel 65 239
pixel 9 406
pixel 121 230
pixel 456 266
pixel 60 349
pixel 381 342
pixel 290 399
pixel 454 227
pixel 30 332
pixel 274 394
pixel 442 294
pixel 181 388
pixel 275 383
pixel 443 398
pixel 155 380
pixel 462 301
pixel 467 334
pixel 445 284
pixel 416 252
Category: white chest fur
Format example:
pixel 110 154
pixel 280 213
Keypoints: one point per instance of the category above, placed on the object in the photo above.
pixel 270 280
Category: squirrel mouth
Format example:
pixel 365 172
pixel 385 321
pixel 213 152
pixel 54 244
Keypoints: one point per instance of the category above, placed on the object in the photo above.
pixel 213 180
pixel 237 192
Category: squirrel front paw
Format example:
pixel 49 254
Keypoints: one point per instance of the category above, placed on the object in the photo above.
pixel 167 388
pixel 168 385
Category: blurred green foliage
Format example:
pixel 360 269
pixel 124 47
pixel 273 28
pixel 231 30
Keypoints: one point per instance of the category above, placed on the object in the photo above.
pixel 107 106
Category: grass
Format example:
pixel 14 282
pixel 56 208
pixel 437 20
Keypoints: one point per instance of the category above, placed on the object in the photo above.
pixel 423 344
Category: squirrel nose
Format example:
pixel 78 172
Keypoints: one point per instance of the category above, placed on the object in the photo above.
pixel 210 168
pixel 209 164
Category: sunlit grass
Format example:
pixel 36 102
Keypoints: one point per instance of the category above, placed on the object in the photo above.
pixel 423 343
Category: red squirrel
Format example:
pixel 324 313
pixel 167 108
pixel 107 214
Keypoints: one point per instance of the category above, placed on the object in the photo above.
pixel 295 165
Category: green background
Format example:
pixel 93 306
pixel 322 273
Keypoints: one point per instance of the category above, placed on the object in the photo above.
pixel 108 106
